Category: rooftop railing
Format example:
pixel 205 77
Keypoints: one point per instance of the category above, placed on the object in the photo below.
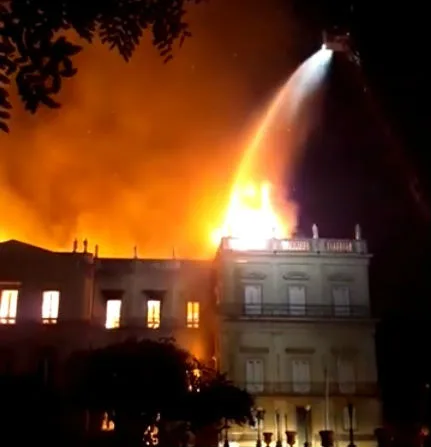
pixel 311 245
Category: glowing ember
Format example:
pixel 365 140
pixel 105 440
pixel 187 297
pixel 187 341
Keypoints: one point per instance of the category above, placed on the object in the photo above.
pixel 251 217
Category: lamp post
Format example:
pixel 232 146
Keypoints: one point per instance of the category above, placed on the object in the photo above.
pixel 307 422
pixel 351 430
pixel 278 429
pixel 226 434
pixel 260 414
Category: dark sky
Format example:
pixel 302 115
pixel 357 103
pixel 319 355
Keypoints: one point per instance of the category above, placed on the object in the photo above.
pixel 361 162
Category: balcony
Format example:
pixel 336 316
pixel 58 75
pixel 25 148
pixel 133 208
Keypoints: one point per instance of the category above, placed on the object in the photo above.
pixel 363 389
pixel 280 311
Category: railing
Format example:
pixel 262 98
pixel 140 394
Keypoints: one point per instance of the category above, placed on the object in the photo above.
pixel 341 246
pixel 312 388
pixel 286 310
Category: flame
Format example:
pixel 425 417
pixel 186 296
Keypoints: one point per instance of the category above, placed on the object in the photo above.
pixel 251 217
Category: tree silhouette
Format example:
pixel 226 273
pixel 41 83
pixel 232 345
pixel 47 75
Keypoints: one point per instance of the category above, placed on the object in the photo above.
pixel 36 53
pixel 156 384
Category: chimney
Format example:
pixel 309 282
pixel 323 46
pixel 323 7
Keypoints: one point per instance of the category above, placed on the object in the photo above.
pixel 85 243
pixel 96 251
pixel 135 252
pixel 358 232
pixel 75 245
pixel 315 231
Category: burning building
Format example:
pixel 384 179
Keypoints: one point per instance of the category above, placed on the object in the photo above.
pixel 287 319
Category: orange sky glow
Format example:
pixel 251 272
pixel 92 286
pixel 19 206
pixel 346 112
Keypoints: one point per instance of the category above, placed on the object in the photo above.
pixel 145 154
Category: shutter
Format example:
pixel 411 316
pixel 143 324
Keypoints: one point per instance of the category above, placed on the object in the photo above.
pixel 297 300
pixel 301 376
pixel 254 376
pixel 253 299
pixel 258 376
pixel 346 376
pixel 341 299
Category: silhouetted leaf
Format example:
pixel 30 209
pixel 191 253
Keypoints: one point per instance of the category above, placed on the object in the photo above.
pixel 32 54
pixel 4 127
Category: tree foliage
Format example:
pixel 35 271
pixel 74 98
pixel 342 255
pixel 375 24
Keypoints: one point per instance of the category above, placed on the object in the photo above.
pixel 156 383
pixel 37 55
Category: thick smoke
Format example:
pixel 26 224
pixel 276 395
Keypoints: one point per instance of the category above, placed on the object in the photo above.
pixel 144 153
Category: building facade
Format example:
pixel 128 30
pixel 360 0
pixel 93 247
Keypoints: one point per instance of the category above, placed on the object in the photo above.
pixel 295 330
pixel 288 320
pixel 53 304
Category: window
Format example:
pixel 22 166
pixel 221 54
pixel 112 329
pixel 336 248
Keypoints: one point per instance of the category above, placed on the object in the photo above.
pixel 253 299
pixel 301 376
pixel 8 306
pixel 347 416
pixel 346 376
pixel 192 314
pixel 113 312
pixel 254 375
pixel 107 424
pixel 50 303
pixel 341 300
pixel 296 296
pixel 153 314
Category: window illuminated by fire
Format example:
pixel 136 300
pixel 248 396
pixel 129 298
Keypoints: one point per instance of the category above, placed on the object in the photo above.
pixel 192 314
pixel 113 313
pixel 153 314
pixel 107 424
pixel 50 304
pixel 8 306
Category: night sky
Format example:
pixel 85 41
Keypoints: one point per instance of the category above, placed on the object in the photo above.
pixel 371 144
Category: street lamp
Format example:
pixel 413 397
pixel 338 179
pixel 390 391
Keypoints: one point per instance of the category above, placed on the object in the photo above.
pixel 307 422
pixel 278 429
pixel 260 414
pixel 351 430
pixel 226 433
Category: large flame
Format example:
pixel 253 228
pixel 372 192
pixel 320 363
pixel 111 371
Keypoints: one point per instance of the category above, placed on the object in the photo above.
pixel 253 214
pixel 251 217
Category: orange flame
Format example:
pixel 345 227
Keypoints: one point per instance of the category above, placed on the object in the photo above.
pixel 251 216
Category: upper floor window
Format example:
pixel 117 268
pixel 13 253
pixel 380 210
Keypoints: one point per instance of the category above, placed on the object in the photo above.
pixel 297 302
pixel 341 300
pixel 153 314
pixel 8 306
pixel 107 423
pixel 301 376
pixel 192 314
pixel 254 375
pixel 113 313
pixel 346 376
pixel 253 299
pixel 50 304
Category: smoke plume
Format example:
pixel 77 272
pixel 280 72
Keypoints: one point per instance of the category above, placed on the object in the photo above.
pixel 144 153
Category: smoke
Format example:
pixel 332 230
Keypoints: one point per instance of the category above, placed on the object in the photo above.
pixel 144 153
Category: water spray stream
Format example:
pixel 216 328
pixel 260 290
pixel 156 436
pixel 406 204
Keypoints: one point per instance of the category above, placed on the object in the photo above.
pixel 251 216
pixel 302 83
